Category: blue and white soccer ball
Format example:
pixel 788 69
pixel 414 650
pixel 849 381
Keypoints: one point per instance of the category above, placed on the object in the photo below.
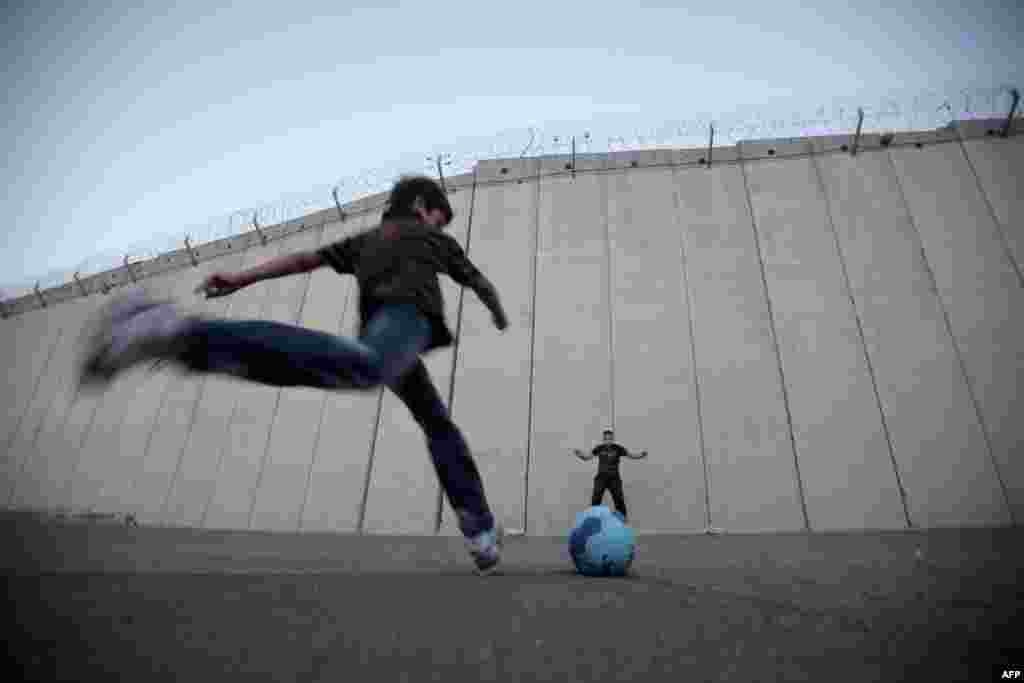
pixel 600 543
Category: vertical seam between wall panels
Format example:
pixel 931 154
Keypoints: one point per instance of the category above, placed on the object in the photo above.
pixel 439 509
pixel 688 297
pixel 312 464
pixel 120 424
pixel 97 404
pixel 353 286
pixel 51 406
pixel 35 388
pixel 28 406
pixel 61 429
pixel 775 344
pixel 368 478
pixel 956 346
pixel 533 346
pixel 74 399
pixel 361 521
pixel 152 431
pixel 323 404
pixel 184 445
pixel 226 434
pixel 231 419
pixel 279 391
pixel 184 448
pixel 203 379
pixel 992 214
pixel 602 179
pixel 83 441
pixel 863 339
pixel 264 458
pixel 309 276
pixel 188 438
pixel 264 307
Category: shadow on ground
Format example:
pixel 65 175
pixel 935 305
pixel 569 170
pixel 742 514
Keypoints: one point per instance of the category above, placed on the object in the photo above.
pixel 95 601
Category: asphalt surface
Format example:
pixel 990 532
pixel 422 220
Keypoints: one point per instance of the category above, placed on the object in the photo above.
pixel 96 601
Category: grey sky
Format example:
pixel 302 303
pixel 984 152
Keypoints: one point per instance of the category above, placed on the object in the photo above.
pixel 123 122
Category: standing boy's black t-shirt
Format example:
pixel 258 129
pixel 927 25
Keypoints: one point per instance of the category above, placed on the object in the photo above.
pixel 398 262
pixel 608 456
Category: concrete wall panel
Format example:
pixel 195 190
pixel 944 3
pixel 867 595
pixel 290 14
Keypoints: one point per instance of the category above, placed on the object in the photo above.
pixel 27 343
pixel 46 453
pixel 893 279
pixel 104 472
pixel 135 437
pixel 174 418
pixel 80 418
pixel 751 482
pixel 402 498
pixel 492 385
pixel 279 497
pixel 979 290
pixel 999 166
pixel 139 424
pixel 209 438
pixel 195 475
pixel 27 398
pixel 346 421
pixel 655 396
pixel 571 376
pixel 843 453
pixel 104 467
pixel 257 405
pixel 937 442
pixel 241 449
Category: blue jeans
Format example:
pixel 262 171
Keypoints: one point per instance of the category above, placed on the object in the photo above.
pixel 386 353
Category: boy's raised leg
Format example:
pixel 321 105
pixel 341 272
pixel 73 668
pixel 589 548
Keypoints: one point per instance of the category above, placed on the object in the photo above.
pixel 136 328
pixel 455 467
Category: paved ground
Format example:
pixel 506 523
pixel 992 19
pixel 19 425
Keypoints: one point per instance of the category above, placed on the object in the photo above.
pixel 109 602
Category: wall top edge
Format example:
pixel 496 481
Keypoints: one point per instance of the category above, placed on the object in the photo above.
pixel 509 169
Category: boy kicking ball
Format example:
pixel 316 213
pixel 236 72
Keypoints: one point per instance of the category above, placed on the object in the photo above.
pixel 401 311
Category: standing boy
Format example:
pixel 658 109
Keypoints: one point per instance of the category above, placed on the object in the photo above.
pixel 401 312
pixel 608 454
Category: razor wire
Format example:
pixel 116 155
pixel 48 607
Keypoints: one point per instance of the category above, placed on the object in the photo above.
pixel 609 133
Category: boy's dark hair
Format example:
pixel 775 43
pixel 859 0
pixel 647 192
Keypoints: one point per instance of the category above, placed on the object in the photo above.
pixel 410 188
pixel 607 432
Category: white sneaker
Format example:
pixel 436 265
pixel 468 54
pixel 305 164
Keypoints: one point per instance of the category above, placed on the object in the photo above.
pixel 130 329
pixel 129 304
pixel 486 550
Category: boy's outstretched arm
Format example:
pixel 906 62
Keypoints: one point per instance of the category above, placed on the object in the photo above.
pixel 489 296
pixel 222 284
pixel 581 455
pixel 462 270
pixel 637 456
pixel 280 266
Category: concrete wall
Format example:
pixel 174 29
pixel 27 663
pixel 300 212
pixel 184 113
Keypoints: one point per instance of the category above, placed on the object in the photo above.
pixel 802 338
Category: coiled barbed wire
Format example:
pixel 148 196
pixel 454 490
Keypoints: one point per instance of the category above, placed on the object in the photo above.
pixel 920 110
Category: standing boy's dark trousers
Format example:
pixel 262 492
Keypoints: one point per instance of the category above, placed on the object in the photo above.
pixel 605 481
